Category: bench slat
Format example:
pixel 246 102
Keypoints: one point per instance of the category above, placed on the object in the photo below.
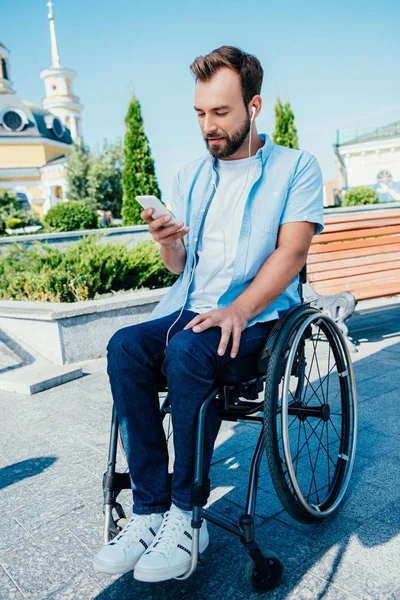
pixel 384 241
pixel 363 293
pixel 359 233
pixel 352 262
pixel 360 281
pixel 355 225
pixel 360 270
pixel 316 258
pixel 361 216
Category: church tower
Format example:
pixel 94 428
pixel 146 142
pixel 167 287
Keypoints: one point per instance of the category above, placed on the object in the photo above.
pixel 59 98
pixel 5 81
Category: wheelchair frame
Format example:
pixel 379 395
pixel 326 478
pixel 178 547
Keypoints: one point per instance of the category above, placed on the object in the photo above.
pixel 265 571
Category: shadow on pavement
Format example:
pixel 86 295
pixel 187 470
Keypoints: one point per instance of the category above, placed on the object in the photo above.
pixel 26 468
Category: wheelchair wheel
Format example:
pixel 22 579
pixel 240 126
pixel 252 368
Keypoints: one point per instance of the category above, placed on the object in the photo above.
pixel 259 582
pixel 310 415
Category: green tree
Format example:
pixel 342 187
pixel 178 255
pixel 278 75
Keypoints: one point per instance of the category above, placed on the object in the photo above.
pixel 360 195
pixel 285 133
pixel 104 182
pixel 77 171
pixel 11 209
pixel 139 176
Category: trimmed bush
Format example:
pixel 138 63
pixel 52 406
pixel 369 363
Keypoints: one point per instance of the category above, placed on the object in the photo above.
pixel 15 223
pixel 360 195
pixel 71 216
pixel 85 269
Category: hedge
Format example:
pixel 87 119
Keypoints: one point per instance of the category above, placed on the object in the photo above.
pixel 81 272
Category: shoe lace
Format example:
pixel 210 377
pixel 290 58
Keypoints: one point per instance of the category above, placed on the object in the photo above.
pixel 168 534
pixel 131 532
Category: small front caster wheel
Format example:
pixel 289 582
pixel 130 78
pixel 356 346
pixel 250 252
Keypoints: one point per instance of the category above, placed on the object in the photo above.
pixel 262 583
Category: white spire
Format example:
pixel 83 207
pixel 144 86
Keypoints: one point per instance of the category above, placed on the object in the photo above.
pixel 55 58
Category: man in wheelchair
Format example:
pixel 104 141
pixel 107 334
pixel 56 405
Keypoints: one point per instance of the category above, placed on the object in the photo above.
pixel 246 212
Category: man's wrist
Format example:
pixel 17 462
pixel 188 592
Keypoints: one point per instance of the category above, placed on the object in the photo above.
pixel 243 309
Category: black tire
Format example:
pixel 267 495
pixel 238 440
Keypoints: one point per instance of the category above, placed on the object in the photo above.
pixel 287 369
pixel 260 583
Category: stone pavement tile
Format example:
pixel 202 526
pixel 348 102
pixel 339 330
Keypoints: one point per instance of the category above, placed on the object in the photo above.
pixel 72 481
pixel 360 502
pixel 127 588
pixel 373 444
pixel 336 567
pixel 328 531
pixel 35 567
pixel 78 587
pixel 377 387
pixel 233 471
pixel 375 546
pixel 97 440
pixel 14 498
pixel 389 514
pixel 383 472
pixel 12 534
pixel 299 586
pixel 267 504
pixel 8 590
pixel 85 523
pixel 71 548
pixel 233 439
pixel 8 438
pixel 39 512
pixel 382 415
pixel 372 368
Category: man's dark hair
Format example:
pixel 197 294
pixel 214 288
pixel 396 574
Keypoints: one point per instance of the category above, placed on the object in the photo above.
pixel 247 66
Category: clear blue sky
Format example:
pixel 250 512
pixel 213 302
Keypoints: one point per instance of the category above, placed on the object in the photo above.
pixel 336 62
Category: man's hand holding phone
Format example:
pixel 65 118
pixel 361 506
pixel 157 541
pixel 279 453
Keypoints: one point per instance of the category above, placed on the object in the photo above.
pixel 164 234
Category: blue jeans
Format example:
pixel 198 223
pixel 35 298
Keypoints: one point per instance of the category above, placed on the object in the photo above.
pixel 135 356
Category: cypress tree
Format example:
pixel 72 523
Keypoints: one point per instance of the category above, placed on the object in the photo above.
pixel 285 133
pixel 139 176
pixel 77 170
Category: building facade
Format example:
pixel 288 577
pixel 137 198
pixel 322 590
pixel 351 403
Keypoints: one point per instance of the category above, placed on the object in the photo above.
pixel 35 140
pixel 371 157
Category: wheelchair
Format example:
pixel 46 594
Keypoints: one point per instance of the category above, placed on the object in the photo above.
pixel 301 390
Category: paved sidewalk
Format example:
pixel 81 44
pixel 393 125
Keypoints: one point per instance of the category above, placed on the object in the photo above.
pixel 53 451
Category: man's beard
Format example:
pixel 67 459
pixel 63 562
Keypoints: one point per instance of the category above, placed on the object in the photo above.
pixel 232 142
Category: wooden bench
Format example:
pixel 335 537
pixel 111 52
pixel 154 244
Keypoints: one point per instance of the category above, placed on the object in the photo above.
pixel 356 257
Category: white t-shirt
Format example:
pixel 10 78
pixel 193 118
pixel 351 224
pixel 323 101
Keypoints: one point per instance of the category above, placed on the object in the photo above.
pixel 214 268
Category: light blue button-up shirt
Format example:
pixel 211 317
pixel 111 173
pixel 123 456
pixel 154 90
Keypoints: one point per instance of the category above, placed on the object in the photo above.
pixel 286 188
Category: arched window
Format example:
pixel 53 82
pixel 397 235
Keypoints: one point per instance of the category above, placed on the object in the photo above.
pixel 23 200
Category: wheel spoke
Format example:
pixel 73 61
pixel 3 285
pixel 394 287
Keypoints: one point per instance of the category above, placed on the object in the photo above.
pixel 309 456
pixel 334 428
pixel 326 451
pixel 319 373
pixel 315 462
pixel 313 431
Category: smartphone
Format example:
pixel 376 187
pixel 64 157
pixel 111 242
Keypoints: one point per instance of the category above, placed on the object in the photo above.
pixel 159 208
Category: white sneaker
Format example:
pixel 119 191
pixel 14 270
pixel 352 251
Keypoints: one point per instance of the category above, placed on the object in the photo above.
pixel 122 553
pixel 169 555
